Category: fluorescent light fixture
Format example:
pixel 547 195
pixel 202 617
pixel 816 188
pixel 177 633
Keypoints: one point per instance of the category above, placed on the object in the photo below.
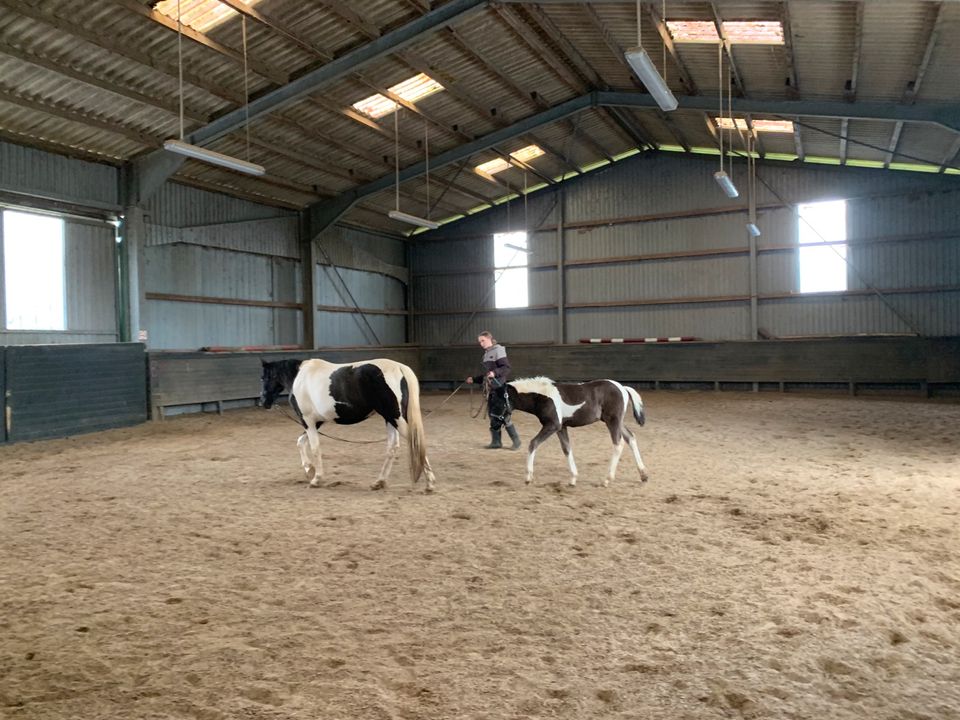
pixel 518 248
pixel 753 229
pixel 412 219
pixel 724 181
pixel 214 158
pixel 645 70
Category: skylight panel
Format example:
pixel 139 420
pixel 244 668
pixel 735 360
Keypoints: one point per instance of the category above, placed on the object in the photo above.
pixel 777 126
pixel 201 15
pixel 693 31
pixel 754 32
pixel 523 155
pixel 493 166
pixel 741 32
pixel 412 89
pixel 527 154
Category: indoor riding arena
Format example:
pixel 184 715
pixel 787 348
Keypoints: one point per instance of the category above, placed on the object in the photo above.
pixel 260 257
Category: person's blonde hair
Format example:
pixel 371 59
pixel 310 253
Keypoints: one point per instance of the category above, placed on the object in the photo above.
pixel 488 334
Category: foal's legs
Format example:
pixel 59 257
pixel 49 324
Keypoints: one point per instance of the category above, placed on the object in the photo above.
pixel 393 452
pixel 628 436
pixel 567 450
pixel 545 432
pixel 616 434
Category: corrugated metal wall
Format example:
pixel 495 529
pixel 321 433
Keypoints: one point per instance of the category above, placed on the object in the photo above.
pixel 226 272
pixel 903 230
pixel 41 174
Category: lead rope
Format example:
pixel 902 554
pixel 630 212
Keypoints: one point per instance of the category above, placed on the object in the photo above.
pixel 284 411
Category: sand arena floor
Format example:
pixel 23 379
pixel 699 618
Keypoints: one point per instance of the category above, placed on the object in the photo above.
pixel 791 557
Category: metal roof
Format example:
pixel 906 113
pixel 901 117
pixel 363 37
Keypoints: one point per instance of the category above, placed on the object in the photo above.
pixel 100 80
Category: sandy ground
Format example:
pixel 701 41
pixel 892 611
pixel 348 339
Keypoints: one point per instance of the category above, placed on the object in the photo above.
pixel 791 557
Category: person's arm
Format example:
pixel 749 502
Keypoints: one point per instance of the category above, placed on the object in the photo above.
pixel 502 370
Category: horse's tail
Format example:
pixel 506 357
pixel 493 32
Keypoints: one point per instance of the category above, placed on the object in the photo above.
pixel 416 441
pixel 637 404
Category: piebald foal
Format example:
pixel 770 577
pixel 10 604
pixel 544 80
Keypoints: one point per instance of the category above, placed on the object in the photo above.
pixel 559 406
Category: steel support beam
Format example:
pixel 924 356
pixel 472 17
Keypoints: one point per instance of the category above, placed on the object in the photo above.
pixel 947 116
pixel 324 213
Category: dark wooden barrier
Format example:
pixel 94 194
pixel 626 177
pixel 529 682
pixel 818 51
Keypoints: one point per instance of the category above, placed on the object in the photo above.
pixel 192 378
pixel 60 390
pixel 920 366
pixel 924 364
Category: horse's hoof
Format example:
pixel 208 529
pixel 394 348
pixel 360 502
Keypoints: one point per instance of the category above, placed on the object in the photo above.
pixel 315 483
pixel 644 477
pixel 428 489
pixel 379 485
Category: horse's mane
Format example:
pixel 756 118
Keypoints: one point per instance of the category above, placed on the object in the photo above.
pixel 540 384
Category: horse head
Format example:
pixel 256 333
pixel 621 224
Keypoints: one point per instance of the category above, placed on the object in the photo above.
pixel 275 379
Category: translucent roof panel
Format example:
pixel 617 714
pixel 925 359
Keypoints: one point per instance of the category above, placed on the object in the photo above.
pixel 411 90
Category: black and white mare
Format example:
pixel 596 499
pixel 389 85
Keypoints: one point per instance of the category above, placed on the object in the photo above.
pixel 349 393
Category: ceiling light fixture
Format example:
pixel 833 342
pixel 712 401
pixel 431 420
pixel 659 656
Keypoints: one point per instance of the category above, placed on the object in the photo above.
pixel 412 219
pixel 214 158
pixel 644 68
pixel 723 180
pixel 181 147
pixel 397 214
pixel 518 248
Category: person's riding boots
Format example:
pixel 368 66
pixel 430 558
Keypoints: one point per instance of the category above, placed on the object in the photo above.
pixel 494 439
pixel 514 436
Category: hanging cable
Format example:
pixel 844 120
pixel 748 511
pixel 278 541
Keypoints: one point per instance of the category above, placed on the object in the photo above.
pixel 396 152
pixel 663 17
pixel 180 64
pixel 733 124
pixel 426 156
pixel 639 26
pixel 720 85
pixel 246 83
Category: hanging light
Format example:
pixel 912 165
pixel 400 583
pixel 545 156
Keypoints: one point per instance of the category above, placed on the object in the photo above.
pixel 753 229
pixel 723 180
pixel 412 219
pixel 181 147
pixel 643 67
pixel 397 214
pixel 214 158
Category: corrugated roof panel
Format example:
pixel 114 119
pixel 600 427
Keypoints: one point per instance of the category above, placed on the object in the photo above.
pixel 940 80
pixel 894 38
pixel 824 41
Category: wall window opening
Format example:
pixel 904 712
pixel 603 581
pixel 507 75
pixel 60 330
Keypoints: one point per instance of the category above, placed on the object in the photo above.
pixel 823 267
pixel 33 270
pixel 511 264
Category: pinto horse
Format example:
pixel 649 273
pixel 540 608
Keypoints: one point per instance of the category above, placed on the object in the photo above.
pixel 559 406
pixel 349 393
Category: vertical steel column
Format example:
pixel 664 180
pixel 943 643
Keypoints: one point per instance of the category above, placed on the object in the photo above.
pixel 561 260
pixel 132 273
pixel 308 269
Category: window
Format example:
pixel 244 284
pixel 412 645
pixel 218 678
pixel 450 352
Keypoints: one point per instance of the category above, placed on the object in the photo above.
pixel 510 252
pixel 33 271
pixel 823 267
pixel 411 90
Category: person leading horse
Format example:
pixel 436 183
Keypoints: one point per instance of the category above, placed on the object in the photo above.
pixel 496 369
